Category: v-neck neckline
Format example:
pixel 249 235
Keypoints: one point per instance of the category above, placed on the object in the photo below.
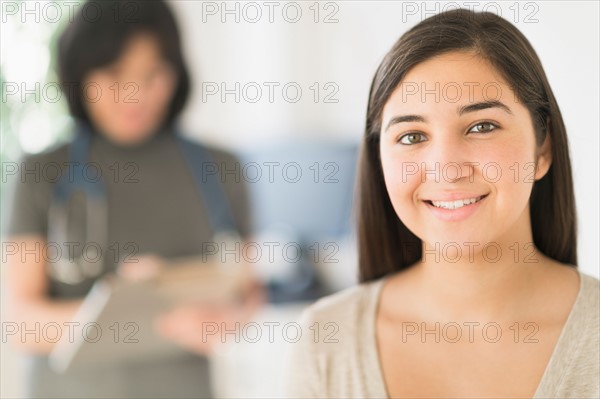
pixel 561 352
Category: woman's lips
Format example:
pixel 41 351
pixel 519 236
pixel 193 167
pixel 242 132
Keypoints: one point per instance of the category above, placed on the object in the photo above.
pixel 456 203
pixel 457 209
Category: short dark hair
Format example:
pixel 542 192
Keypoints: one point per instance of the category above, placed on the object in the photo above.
pixel 97 36
pixel 385 244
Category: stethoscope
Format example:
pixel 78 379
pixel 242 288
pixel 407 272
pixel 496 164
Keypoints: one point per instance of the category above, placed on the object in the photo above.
pixel 75 265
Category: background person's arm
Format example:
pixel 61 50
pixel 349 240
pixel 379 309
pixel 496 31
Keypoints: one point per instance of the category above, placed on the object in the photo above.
pixel 25 297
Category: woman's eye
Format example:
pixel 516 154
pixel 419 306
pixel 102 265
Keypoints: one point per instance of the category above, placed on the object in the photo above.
pixel 483 127
pixel 412 138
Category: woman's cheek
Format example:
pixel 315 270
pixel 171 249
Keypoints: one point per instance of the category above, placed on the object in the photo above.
pixel 508 167
pixel 102 106
pixel 401 184
pixel 158 98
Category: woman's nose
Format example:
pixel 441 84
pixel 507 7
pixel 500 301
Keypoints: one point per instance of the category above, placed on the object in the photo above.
pixel 448 160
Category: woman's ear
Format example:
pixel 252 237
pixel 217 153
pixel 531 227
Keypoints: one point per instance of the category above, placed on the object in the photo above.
pixel 544 157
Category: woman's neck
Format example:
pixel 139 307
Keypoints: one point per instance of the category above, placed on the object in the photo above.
pixel 480 280
pixel 140 142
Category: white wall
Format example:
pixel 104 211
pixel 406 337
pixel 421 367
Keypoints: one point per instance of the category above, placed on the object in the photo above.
pixel 348 52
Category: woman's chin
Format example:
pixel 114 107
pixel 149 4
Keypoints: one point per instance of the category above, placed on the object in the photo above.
pixel 132 137
pixel 453 248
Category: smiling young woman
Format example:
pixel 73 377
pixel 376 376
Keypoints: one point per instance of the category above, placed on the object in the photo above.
pixel 467 233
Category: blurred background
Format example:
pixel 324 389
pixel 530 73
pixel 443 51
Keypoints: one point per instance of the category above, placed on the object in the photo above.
pixel 274 81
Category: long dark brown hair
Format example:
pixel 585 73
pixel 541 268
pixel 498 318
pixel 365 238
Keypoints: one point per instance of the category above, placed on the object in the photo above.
pixel 385 244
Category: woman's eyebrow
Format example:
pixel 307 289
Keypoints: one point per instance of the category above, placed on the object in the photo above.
pixel 483 105
pixel 461 111
pixel 404 118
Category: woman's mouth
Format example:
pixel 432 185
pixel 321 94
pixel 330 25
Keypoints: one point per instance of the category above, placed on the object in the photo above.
pixel 454 210
pixel 456 204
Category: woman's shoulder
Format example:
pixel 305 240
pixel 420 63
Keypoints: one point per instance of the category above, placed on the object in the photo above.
pixel 218 153
pixel 38 170
pixel 589 281
pixel 56 153
pixel 578 362
pixel 585 315
pixel 590 299
pixel 337 355
pixel 345 307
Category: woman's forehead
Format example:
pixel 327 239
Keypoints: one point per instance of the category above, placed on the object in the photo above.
pixel 452 80
pixel 448 69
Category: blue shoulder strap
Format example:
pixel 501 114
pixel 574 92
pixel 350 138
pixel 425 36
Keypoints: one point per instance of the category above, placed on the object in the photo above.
pixel 211 190
pixel 73 270
pixel 76 178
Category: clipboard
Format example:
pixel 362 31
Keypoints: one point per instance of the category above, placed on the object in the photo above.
pixel 115 322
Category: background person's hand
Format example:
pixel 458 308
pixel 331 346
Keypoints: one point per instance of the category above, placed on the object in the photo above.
pixel 146 267
pixel 201 327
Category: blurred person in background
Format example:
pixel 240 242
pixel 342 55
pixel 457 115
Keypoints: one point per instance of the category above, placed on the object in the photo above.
pixel 126 82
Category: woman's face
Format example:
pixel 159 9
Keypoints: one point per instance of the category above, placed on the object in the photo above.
pixel 128 99
pixel 459 153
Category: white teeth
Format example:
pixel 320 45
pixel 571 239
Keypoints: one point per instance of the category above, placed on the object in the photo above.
pixel 455 204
